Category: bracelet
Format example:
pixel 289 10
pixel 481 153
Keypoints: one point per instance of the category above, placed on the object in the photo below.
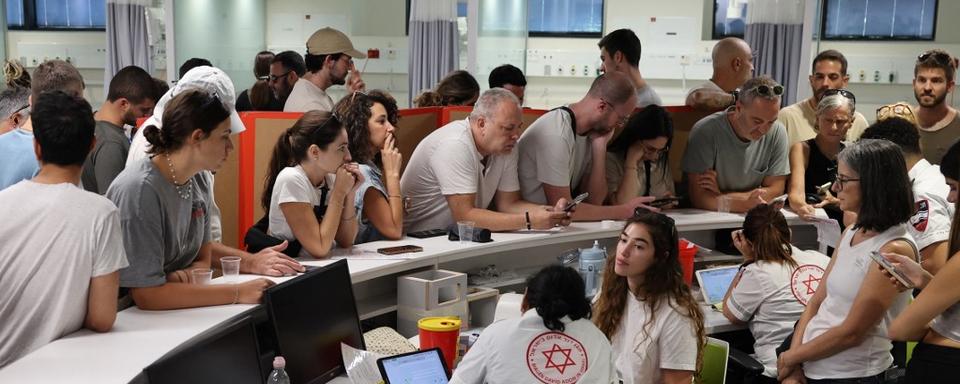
pixel 349 218
pixel 236 296
pixel 397 196
pixel 526 214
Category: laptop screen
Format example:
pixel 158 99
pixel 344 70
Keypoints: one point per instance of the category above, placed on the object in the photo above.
pixel 424 367
pixel 714 282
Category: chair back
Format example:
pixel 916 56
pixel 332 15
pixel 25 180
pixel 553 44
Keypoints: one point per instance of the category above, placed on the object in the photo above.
pixel 714 370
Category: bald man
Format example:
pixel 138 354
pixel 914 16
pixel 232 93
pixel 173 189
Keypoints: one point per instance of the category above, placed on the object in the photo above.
pixel 732 66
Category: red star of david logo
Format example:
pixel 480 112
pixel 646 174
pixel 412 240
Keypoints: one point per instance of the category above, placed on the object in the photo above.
pixel 565 353
pixel 809 283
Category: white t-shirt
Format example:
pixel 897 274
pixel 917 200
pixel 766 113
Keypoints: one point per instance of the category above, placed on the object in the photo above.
pixel 307 96
pixel 445 163
pixel 292 186
pixel 523 350
pixel 55 239
pixel 872 356
pixel 931 222
pixel 671 343
pixel 772 296
pixel 551 153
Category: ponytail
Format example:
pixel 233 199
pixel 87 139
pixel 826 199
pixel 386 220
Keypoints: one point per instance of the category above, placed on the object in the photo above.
pixel 428 98
pixel 557 292
pixel 313 128
pixel 767 229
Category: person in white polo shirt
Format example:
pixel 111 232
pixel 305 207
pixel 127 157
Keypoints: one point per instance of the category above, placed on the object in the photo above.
pixel 930 224
pixel 552 342
pixel 467 170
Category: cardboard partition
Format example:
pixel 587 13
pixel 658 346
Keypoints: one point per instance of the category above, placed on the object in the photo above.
pixel 414 125
pixel 684 118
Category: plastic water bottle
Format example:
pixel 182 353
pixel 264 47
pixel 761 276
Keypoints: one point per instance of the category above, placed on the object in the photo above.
pixel 278 376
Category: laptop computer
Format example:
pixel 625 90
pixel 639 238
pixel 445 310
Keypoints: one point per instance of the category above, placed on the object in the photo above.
pixel 420 367
pixel 714 282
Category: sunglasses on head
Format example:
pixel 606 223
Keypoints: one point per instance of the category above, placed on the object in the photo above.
pixel 841 92
pixel 942 58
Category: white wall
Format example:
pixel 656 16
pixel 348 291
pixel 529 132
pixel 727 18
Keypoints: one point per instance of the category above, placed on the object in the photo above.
pixel 93 77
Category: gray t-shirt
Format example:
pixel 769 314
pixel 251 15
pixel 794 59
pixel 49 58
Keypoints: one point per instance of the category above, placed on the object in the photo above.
pixel 107 158
pixel 647 96
pixel 162 232
pixel 56 237
pixel 742 165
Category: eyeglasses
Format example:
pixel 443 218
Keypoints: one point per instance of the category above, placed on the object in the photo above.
pixel 766 90
pixel 901 110
pixel 941 58
pixel 840 180
pixel 354 96
pixel 654 150
pixel 273 78
pixel 841 92
pixel 621 119
pixel 20 109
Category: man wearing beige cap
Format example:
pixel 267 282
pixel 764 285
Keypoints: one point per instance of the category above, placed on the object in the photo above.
pixel 328 60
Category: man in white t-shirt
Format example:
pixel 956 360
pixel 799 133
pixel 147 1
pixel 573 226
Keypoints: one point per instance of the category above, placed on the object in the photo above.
pixel 732 66
pixel 62 246
pixel 800 118
pixel 329 60
pixel 467 170
pixel 565 150
pixel 930 225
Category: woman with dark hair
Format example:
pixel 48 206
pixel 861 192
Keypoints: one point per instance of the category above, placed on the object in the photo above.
pixel 813 163
pixel 646 309
pixel 164 201
pixel 842 334
pixel 769 293
pixel 933 318
pixel 638 161
pixel 297 196
pixel 457 88
pixel 370 121
pixel 260 96
pixel 554 330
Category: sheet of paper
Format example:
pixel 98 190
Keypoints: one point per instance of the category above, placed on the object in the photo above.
pixel 828 231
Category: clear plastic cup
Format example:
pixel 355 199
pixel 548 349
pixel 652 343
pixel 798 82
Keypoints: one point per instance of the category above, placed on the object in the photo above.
pixel 201 276
pixel 231 267
pixel 723 204
pixel 465 230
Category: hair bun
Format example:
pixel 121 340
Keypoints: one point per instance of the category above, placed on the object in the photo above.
pixel 153 136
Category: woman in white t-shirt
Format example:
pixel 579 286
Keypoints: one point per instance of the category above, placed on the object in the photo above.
pixel 773 285
pixel 637 161
pixel 842 334
pixel 646 309
pixel 552 342
pixel 369 119
pixel 934 316
pixel 297 192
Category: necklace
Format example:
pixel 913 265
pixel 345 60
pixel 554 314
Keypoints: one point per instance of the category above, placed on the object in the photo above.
pixel 182 189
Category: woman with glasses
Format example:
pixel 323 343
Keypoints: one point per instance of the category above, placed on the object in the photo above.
pixel 369 119
pixel 770 291
pixel 637 160
pixel 842 334
pixel 813 163
pixel 646 309
pixel 302 200
pixel 933 318
pixel 164 204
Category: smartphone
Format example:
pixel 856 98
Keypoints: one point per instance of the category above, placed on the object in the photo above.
pixel 576 200
pixel 664 201
pixel 879 259
pixel 823 189
pixel 399 249
pixel 782 199
pixel 428 233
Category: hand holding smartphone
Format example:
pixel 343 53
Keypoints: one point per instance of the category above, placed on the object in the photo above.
pixel 576 200
pixel 665 201
pixel 879 259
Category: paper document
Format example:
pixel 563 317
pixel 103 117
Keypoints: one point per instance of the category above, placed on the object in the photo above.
pixel 828 231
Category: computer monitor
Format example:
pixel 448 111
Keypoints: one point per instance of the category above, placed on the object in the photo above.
pixel 311 315
pixel 228 353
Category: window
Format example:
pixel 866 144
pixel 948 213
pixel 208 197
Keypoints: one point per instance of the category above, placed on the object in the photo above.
pixel 57 14
pixel 569 18
pixel 879 19
pixel 729 18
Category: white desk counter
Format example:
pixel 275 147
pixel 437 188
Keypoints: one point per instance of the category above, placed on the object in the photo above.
pixel 141 337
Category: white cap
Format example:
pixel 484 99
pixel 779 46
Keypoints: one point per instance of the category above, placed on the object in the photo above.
pixel 210 79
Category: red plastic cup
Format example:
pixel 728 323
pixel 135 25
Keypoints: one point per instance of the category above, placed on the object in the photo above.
pixel 443 333
pixel 688 251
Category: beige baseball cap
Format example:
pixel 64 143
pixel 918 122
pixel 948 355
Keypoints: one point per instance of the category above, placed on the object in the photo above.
pixel 326 41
